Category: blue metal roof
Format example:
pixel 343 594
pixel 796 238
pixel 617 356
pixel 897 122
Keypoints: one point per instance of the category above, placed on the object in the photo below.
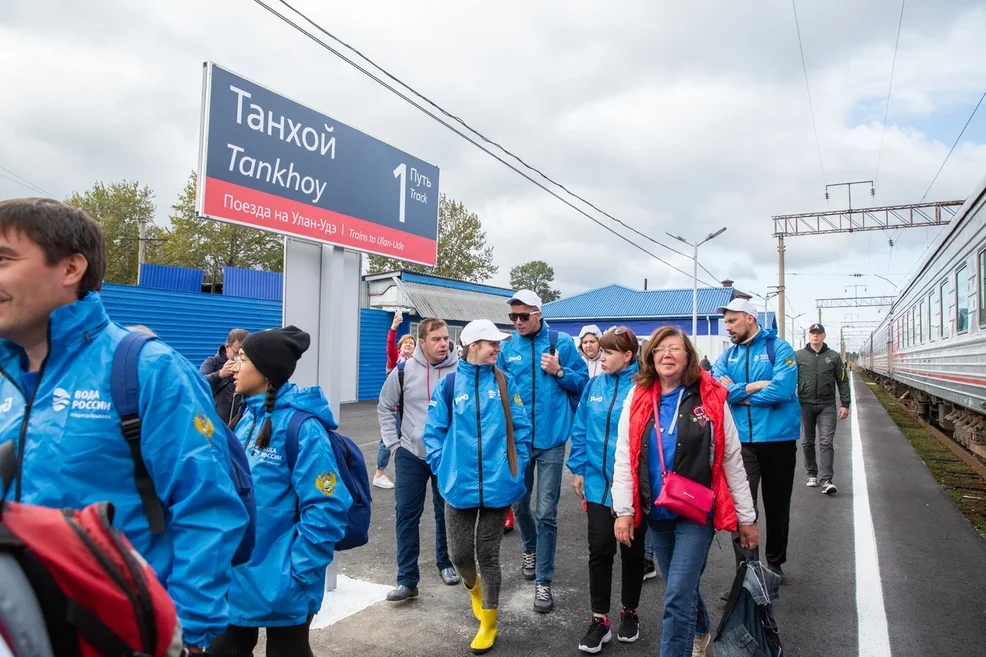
pixel 440 281
pixel 171 277
pixel 252 283
pixel 618 301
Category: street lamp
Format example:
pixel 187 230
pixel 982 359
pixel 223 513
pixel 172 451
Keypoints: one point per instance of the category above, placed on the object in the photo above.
pixel 695 273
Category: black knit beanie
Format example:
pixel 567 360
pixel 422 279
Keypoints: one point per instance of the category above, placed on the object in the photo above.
pixel 275 352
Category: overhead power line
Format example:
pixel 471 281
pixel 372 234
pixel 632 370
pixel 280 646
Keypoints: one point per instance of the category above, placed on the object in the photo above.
pixel 975 109
pixel 804 67
pixel 24 182
pixel 886 111
pixel 482 137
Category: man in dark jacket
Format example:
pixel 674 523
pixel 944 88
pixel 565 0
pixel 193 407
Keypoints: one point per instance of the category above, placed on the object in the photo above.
pixel 820 372
pixel 218 371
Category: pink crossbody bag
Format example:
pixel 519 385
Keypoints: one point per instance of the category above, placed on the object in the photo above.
pixel 679 495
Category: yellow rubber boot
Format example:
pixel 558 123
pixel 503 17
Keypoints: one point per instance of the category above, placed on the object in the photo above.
pixel 487 631
pixel 476 593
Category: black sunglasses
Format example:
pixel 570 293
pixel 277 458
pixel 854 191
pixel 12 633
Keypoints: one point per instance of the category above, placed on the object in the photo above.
pixel 521 316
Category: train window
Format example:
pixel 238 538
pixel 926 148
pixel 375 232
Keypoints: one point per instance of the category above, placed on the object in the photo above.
pixel 919 321
pixel 962 300
pixel 942 300
pixel 982 288
pixel 931 327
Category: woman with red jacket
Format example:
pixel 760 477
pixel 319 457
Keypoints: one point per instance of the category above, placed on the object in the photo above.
pixel 676 402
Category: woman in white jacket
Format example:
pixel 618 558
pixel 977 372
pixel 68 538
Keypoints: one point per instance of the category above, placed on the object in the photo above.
pixel 678 403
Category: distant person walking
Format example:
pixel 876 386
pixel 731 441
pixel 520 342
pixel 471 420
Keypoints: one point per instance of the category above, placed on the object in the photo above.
pixel 821 374
pixel 478 439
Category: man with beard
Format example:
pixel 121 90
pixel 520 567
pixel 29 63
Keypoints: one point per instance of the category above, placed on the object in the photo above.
pixel 761 373
pixel 402 410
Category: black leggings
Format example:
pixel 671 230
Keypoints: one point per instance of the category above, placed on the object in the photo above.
pixel 291 641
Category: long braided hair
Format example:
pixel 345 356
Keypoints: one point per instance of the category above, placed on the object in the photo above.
pixel 263 438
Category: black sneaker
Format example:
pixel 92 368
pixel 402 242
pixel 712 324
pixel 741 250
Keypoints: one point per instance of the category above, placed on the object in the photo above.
pixel 402 593
pixel 629 626
pixel 527 567
pixel 543 602
pixel 597 634
pixel 650 570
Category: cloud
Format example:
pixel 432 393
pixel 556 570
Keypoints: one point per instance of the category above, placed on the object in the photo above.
pixel 680 117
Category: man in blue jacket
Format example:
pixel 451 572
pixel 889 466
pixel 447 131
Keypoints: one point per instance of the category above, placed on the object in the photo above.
pixel 56 350
pixel 547 382
pixel 761 372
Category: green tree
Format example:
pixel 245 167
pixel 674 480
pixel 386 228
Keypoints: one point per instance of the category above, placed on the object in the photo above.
pixel 209 245
pixel 120 208
pixel 462 250
pixel 535 275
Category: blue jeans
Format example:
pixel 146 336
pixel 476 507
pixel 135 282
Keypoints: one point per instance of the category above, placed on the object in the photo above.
pixel 682 548
pixel 649 544
pixel 542 538
pixel 383 456
pixel 411 485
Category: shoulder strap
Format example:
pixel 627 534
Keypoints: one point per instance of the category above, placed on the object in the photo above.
pixel 552 340
pixel 125 391
pixel 400 382
pixel 770 349
pixel 448 390
pixel 291 439
pixel 501 382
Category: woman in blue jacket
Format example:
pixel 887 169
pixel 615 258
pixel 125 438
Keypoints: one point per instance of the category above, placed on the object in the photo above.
pixel 594 435
pixel 301 513
pixel 478 442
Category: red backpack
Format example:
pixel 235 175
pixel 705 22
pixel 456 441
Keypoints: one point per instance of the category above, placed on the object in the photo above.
pixel 98 596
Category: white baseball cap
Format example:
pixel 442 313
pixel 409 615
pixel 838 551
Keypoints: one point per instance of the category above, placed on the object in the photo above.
pixel 526 297
pixel 739 306
pixel 481 329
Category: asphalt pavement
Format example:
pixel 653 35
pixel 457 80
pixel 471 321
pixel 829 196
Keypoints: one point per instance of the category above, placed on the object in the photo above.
pixel 931 565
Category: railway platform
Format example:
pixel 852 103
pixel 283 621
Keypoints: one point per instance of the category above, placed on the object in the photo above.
pixel 886 567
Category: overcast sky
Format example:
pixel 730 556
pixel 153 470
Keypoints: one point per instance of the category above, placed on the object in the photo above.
pixel 672 116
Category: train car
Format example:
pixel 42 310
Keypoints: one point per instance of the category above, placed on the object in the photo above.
pixel 932 344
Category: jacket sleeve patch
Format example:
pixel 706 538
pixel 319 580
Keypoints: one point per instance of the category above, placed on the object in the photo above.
pixel 326 483
pixel 789 361
pixel 204 426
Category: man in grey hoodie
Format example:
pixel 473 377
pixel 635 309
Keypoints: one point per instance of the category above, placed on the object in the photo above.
pixel 402 409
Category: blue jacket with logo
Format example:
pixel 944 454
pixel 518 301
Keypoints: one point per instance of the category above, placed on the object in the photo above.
pixel 75 455
pixel 545 396
pixel 300 514
pixel 466 445
pixel 594 432
pixel 773 413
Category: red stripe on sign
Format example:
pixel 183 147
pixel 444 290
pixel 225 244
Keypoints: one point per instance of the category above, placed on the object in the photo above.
pixel 944 377
pixel 249 207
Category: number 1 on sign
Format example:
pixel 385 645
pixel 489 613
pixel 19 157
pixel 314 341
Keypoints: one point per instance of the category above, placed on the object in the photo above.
pixel 401 172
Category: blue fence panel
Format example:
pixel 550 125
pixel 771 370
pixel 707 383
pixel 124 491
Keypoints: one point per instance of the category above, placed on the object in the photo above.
pixel 253 283
pixel 195 324
pixel 373 328
pixel 171 277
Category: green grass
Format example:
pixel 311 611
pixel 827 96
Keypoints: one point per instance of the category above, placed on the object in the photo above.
pixel 962 484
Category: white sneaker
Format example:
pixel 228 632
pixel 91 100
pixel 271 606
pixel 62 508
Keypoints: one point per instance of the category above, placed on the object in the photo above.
pixel 381 481
pixel 812 482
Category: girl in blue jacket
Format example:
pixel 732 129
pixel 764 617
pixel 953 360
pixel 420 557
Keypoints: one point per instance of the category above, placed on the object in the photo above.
pixel 301 513
pixel 478 441
pixel 594 436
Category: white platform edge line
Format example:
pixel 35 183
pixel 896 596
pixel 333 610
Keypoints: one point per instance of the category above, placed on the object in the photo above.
pixel 873 635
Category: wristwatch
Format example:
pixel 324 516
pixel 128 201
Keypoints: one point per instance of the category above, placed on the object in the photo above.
pixel 560 373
